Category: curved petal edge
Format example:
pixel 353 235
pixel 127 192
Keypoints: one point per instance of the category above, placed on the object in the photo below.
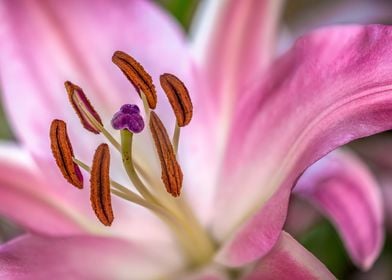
pixel 342 188
pixel 288 260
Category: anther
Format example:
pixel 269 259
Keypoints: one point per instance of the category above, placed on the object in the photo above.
pixel 178 96
pixel 81 104
pixel 100 185
pixel 136 74
pixel 171 170
pixel 63 153
pixel 128 118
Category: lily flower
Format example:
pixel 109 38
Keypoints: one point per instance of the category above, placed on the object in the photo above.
pixel 258 122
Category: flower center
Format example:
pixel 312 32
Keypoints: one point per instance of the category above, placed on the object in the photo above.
pixel 196 243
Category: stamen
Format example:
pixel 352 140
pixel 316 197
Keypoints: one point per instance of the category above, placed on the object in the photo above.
pixel 196 242
pixel 63 153
pixel 78 98
pixel 136 74
pixel 128 118
pixel 100 185
pixel 178 96
pixel 171 170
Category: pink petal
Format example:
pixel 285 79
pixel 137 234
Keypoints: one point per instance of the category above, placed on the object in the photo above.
pixel 288 260
pixel 45 43
pixel 259 235
pixel 84 257
pixel 30 202
pixel 45 203
pixel 319 13
pixel 234 41
pixel 332 87
pixel 341 186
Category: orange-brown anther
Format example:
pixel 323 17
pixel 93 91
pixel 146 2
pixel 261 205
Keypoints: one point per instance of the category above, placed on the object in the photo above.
pixel 178 97
pixel 136 74
pixel 171 170
pixel 63 153
pixel 100 185
pixel 79 102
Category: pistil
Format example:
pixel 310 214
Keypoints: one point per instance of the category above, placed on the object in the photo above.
pixel 126 153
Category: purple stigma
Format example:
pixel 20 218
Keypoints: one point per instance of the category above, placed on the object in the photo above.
pixel 130 109
pixel 128 118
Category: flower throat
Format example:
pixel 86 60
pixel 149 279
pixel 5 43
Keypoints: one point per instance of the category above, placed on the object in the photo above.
pixel 194 241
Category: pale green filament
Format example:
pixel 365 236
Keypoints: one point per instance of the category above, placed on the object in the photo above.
pixel 126 152
pixel 124 193
pixel 176 138
pixel 145 106
pixel 131 196
pixel 195 241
